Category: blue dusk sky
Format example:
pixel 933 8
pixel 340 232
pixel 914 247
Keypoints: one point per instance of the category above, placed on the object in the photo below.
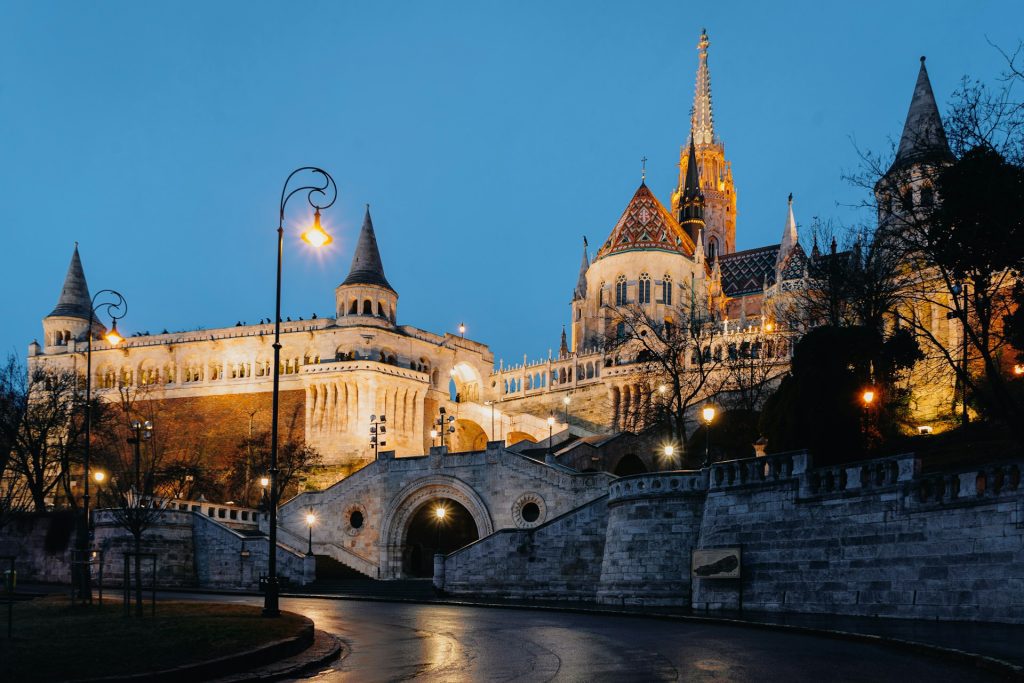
pixel 488 137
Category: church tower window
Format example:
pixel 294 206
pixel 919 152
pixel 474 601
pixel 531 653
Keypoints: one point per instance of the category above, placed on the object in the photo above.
pixel 712 248
pixel 666 290
pixel 644 289
pixel 620 291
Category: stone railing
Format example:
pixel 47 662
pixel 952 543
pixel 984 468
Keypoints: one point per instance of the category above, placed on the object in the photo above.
pixel 992 481
pixel 657 484
pixel 231 515
pixel 354 365
pixel 768 468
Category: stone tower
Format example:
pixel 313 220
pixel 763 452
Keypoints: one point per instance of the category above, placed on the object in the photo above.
pixel 923 149
pixel 715 172
pixel 366 297
pixel 579 295
pixel 68 322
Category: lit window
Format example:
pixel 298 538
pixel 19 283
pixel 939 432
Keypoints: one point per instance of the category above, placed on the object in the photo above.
pixel 644 289
pixel 620 291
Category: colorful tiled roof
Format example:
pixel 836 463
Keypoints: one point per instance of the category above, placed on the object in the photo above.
pixel 646 224
pixel 745 272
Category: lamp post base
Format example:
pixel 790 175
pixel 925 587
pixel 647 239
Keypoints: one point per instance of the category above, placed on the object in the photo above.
pixel 271 603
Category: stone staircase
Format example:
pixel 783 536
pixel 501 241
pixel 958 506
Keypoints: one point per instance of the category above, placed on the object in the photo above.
pixel 335 578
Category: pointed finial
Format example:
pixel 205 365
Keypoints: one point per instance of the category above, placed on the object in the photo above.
pixel 922 59
pixel 790 197
pixel 643 169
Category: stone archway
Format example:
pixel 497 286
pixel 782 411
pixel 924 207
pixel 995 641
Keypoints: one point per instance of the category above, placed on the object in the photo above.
pixel 515 437
pixel 468 436
pixel 409 501
pixel 427 535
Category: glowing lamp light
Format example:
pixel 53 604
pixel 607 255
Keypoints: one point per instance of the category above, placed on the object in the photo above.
pixel 669 451
pixel 566 400
pixel 1018 370
pixel 264 482
pixel 440 512
pixel 708 413
pixel 462 329
pixel 113 337
pixel 310 519
pixel 868 396
pixel 315 235
pixel 769 326
pixel 433 433
pixel 99 476
pixel 551 421
pixel 662 388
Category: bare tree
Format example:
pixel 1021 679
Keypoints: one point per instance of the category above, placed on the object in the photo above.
pixel 676 361
pixel 251 460
pixel 43 424
pixel 954 225
pixel 752 368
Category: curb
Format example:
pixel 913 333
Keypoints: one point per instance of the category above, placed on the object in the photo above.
pixel 224 666
pixel 329 647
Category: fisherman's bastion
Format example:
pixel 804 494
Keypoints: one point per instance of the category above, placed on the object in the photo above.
pixel 529 457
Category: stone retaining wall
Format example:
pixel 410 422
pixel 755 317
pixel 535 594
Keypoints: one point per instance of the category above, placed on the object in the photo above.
pixel 871 538
pixel 560 559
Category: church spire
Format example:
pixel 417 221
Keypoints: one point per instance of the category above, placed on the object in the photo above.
pixel 74 301
pixel 789 233
pixel 563 347
pixel 367 268
pixel 581 282
pixel 924 138
pixel 702 127
pixel 691 200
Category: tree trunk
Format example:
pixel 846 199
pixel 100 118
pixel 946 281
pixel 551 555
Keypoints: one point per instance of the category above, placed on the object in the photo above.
pixel 138 575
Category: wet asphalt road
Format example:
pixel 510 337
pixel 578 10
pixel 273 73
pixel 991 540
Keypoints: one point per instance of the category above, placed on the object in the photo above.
pixel 408 642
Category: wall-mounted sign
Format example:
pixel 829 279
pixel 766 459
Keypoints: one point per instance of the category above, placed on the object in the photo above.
pixel 716 563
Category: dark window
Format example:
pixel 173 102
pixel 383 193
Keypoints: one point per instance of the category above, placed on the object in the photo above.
pixel 355 520
pixel 530 512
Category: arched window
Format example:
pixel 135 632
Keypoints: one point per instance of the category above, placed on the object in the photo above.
pixel 620 330
pixel 643 295
pixel 620 291
pixel 712 248
pixel 367 307
pixel 354 308
pixel 600 295
pixel 666 290
pixel 380 310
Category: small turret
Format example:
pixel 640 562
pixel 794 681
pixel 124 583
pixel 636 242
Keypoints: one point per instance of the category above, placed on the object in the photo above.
pixel 68 322
pixel 366 296
pixel 581 282
pixel 923 138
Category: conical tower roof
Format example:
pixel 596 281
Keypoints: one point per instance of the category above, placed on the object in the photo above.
pixel 367 268
pixel 924 138
pixel 790 238
pixel 74 301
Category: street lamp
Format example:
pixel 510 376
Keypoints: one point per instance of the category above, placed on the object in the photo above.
pixel 669 451
pixel 462 330
pixel 708 413
pixel 141 431
pixel 565 402
pixel 444 424
pixel 491 404
pixel 868 397
pixel 116 309
pixel 315 236
pixel 310 521
pixel 99 476
pixel 378 428
pixel 440 512
pixel 551 425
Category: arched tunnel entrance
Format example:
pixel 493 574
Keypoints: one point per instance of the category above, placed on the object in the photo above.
pixel 430 533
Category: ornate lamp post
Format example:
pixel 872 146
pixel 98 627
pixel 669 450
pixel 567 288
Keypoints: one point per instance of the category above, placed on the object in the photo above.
pixel 310 521
pixel 378 428
pixel 315 236
pixel 708 413
pixel 117 308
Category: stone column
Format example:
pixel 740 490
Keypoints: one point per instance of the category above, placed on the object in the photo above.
pixel 439 571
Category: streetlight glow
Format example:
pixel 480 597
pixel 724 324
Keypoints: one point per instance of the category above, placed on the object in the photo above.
pixel 868 396
pixel 113 337
pixel 310 519
pixel 551 421
pixel 264 482
pixel 669 450
pixel 708 413
pixel 315 235
pixel 99 476
pixel 440 512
